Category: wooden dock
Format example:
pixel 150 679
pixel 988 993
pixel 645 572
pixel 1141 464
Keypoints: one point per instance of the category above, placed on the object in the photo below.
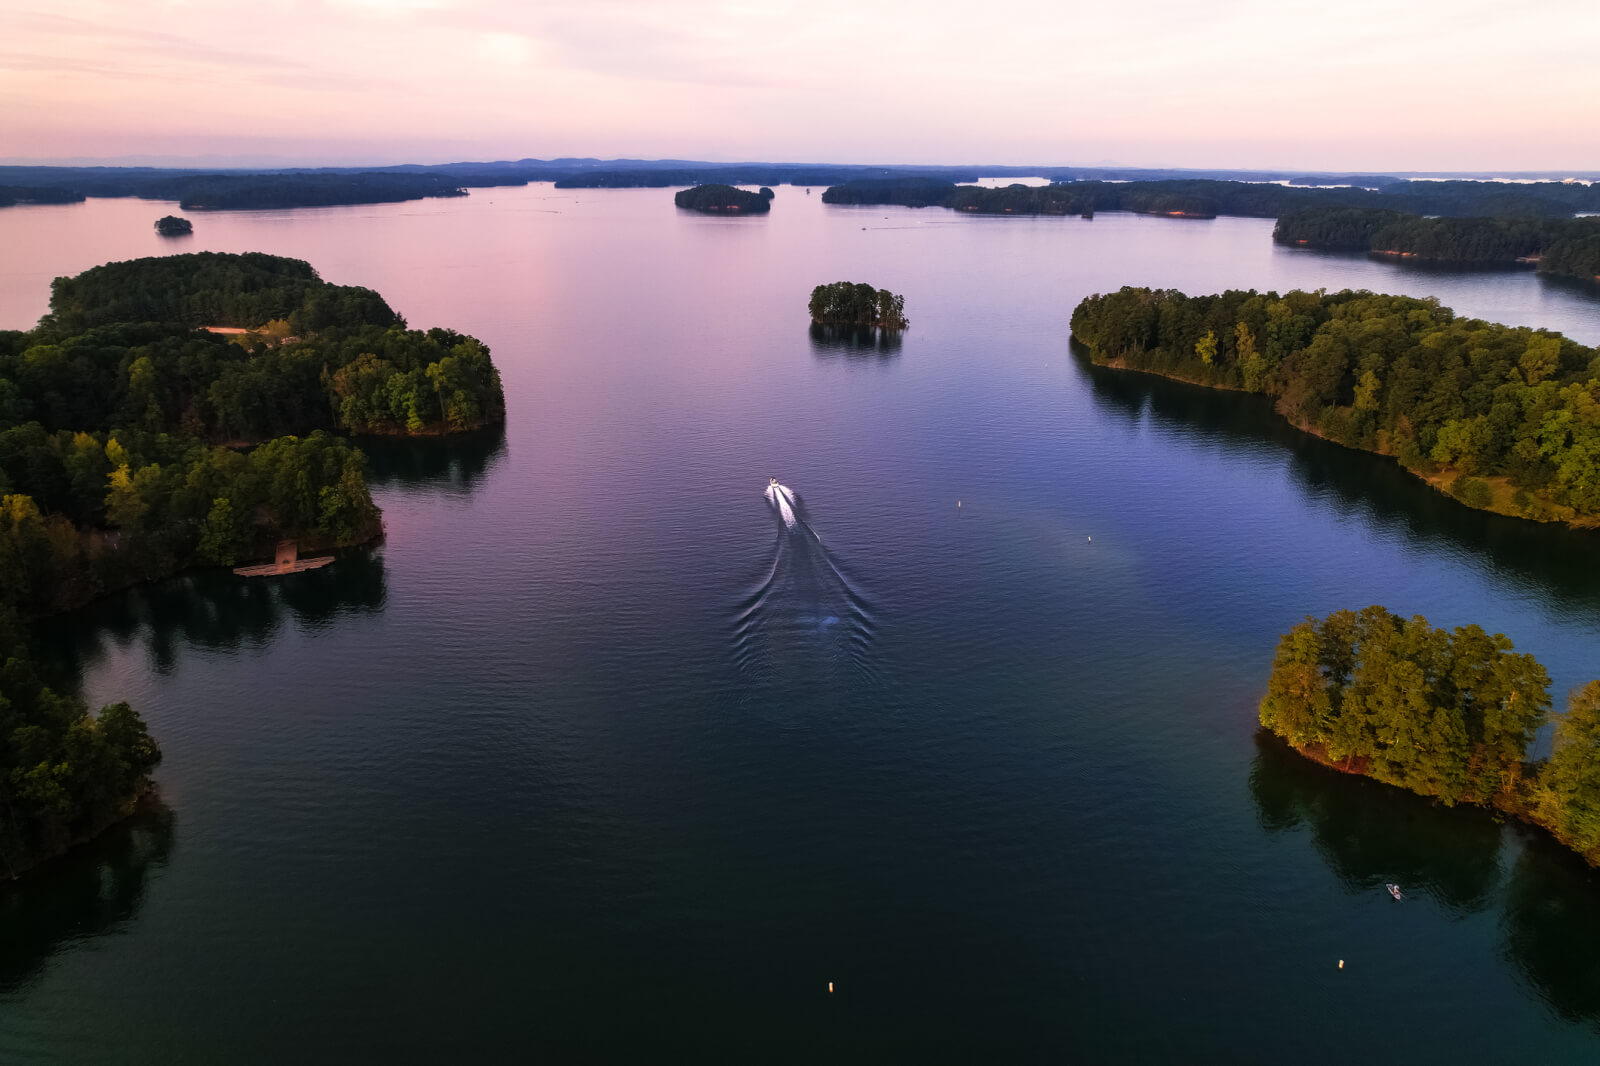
pixel 286 560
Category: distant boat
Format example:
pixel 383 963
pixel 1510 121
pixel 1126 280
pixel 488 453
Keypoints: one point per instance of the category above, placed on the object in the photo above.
pixel 1394 890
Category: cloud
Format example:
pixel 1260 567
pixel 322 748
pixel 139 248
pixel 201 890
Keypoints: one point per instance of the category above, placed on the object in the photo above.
pixel 1280 82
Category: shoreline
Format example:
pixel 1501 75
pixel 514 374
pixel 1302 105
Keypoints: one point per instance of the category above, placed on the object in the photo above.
pixel 1501 487
pixel 145 801
pixel 1511 806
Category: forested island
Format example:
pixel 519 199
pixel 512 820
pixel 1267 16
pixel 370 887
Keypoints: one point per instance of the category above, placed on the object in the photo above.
pixel 136 442
pixel 723 200
pixel 1569 246
pixel 845 303
pixel 1446 714
pixel 173 226
pixel 1504 418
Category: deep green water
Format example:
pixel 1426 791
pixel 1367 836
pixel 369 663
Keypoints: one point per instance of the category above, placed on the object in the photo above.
pixel 597 759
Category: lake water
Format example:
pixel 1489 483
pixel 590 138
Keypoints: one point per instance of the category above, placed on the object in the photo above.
pixel 597 758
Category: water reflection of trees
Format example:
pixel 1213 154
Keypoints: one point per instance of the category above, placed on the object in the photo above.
pixel 858 342
pixel 1551 561
pixel 88 892
pixel 211 609
pixel 458 463
pixel 1369 833
pixel 1552 929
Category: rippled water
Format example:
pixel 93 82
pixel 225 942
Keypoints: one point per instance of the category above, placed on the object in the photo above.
pixel 597 757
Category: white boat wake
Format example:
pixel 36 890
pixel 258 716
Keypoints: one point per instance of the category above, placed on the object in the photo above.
pixel 782 497
pixel 804 618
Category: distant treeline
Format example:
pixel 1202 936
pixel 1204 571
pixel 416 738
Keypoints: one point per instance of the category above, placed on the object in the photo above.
pixel 1207 198
pixel 1447 714
pixel 1191 192
pixel 724 200
pixel 1561 246
pixel 1507 419
pixel 21 194
pixel 199 192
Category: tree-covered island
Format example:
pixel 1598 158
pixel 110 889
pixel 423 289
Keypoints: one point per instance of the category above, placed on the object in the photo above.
pixel 174 412
pixel 1447 714
pixel 173 226
pixel 845 303
pixel 1504 418
pixel 723 200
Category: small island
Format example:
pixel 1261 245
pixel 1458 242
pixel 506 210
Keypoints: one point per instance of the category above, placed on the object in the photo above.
pixel 1503 418
pixel 845 303
pixel 724 200
pixel 173 226
pixel 1445 714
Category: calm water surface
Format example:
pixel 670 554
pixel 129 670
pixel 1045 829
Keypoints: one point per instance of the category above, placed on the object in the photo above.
pixel 598 758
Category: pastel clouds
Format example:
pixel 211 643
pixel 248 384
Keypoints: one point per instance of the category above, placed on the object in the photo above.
pixel 1355 85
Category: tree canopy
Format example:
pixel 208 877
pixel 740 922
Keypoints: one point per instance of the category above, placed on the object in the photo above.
pixel 212 289
pixel 1445 713
pixel 845 303
pixel 1508 417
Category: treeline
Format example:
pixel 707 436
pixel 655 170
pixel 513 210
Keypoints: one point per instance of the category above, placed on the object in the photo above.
pixel 723 200
pixel 196 191
pixel 844 303
pixel 1448 714
pixel 1202 198
pixel 1495 241
pixel 23 194
pixel 1506 419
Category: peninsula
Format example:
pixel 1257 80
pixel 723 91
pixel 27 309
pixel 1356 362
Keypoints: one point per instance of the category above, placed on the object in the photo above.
pixel 1447 714
pixel 135 444
pixel 1505 419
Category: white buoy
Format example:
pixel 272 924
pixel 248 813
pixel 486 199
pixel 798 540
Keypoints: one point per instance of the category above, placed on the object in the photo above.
pixel 830 984
pixel 1091 538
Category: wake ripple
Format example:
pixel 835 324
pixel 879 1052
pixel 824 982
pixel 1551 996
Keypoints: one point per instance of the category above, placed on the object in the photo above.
pixel 804 619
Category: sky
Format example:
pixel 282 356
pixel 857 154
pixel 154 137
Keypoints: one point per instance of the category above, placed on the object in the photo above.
pixel 1346 85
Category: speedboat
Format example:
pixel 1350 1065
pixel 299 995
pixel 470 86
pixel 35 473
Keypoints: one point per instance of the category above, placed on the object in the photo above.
pixel 774 481
pixel 1394 890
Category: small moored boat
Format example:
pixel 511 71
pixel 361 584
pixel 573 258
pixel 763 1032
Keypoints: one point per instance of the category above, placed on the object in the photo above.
pixel 1394 890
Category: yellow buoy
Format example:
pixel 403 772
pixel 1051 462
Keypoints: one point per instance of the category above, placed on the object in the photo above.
pixel 1341 966
pixel 830 985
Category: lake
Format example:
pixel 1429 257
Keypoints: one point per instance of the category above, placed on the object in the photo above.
pixel 600 757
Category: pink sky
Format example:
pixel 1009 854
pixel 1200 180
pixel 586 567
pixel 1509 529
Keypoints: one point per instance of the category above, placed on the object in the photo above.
pixel 1351 85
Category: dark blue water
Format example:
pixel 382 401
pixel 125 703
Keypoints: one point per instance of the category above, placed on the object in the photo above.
pixel 598 758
